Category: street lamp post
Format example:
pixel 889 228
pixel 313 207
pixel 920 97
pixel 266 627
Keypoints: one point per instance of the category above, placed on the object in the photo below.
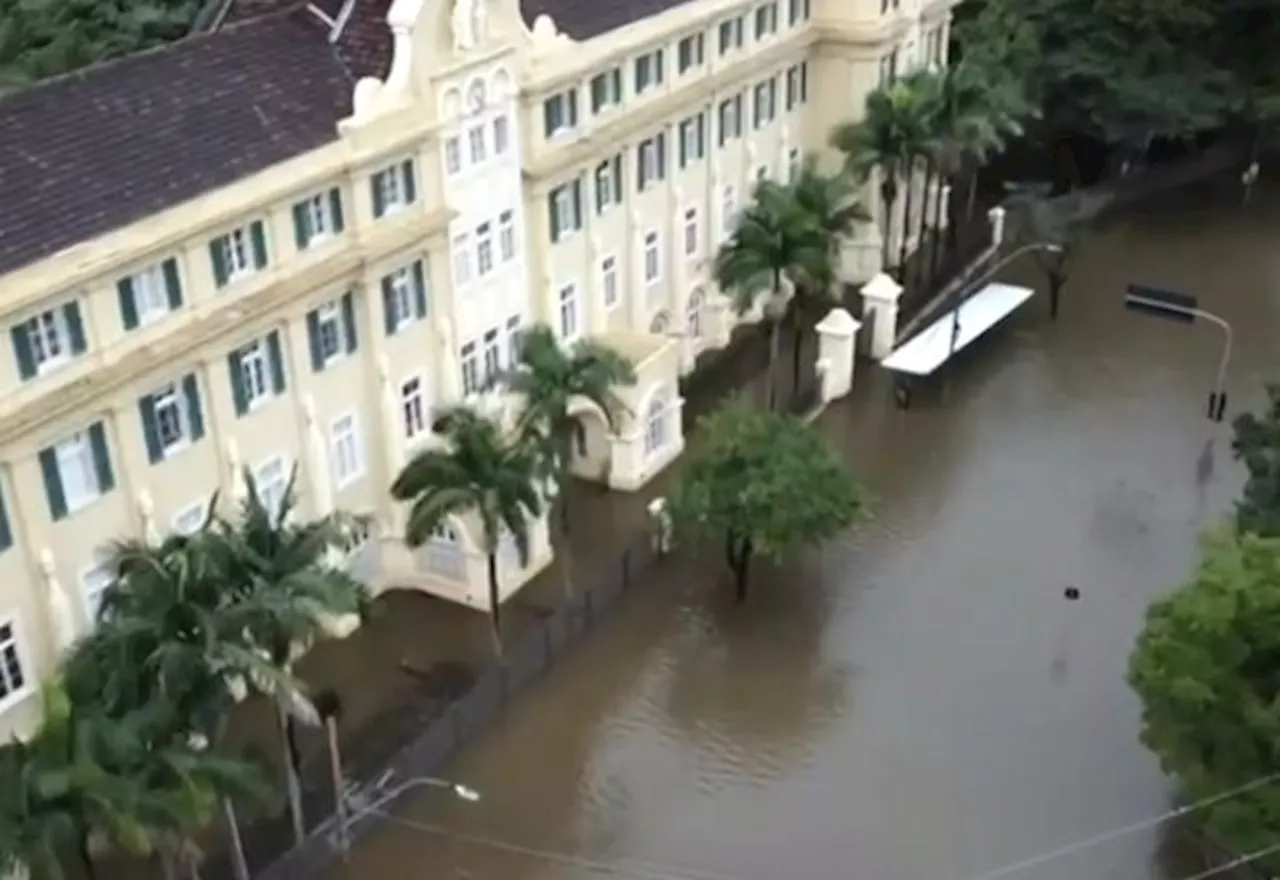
pixel 349 814
pixel 1174 305
pixel 985 276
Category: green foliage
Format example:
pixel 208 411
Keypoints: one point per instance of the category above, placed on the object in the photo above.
pixel 764 483
pixel 1257 444
pixel 1205 667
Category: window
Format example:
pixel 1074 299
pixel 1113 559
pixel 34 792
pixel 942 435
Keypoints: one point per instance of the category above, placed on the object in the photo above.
pixel 648 71
pixel 762 173
pixel 608 181
pixel 272 479
pixel 344 440
pixel 462 259
pixel 691 241
pixel 452 154
pixel 13 680
pixel 606 90
pixel 652 258
pixel 560 113
pixel 693 139
pixel 565 204
pixel 93 585
pixel 797 85
pixel 76 470
pixel 404 297
pixel 693 313
pixel 609 282
pixel 393 188
pixel 492 352
pixel 443 554
pixel 149 294
pixel 317 218
pixel 257 372
pixel 172 418
pixel 413 408
pixel 728 211
pixel 730 119
pixel 886 5
pixel 651 161
pixel 655 426
pixel 501 135
pixel 766 102
pixel 484 249
pixel 507 236
pixel 731 35
pixel 690 52
pixel 190 519
pixel 331 331
pixel 797 11
pixel 766 20
pixel 238 254
pixel 477 144
pixel 569 312
pixel 888 68
pixel 469 361
pixel 935 45
pixel 795 163
pixel 515 339
pixel 48 340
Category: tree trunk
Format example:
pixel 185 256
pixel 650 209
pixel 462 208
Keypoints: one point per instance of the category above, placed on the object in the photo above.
pixel 495 603
pixel 797 342
pixel 562 491
pixel 772 378
pixel 167 869
pixel 86 857
pixel 739 550
pixel 936 258
pixel 888 198
pixel 973 195
pixel 921 276
pixel 239 864
pixel 906 226
pixel 292 771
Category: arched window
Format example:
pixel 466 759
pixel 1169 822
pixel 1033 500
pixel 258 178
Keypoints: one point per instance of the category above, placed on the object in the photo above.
pixel 655 425
pixel 500 85
pixel 443 555
pixel 660 324
pixel 697 300
pixel 476 97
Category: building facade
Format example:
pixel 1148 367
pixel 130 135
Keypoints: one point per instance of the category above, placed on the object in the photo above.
pixel 280 244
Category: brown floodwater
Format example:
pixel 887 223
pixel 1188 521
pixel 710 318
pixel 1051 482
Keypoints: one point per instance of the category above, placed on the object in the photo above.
pixel 917 701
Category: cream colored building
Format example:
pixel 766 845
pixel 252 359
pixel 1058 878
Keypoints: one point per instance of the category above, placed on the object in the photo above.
pixel 285 241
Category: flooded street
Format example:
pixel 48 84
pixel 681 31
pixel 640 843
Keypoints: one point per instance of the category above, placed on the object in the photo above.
pixel 918 702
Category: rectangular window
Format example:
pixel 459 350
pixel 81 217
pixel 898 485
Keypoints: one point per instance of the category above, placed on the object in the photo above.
pixel 560 113
pixel 766 20
pixel 731 35
pixel 888 69
pixel 48 340
pixel 728 212
pixel 93 586
pixel 413 408
pixel 172 418
pixel 317 218
pixel 492 357
pixel 507 236
pixel 765 99
pixel 515 339
pixel 404 296
pixel 606 90
pixel 238 254
pixel 469 361
pixel 652 259
pixel 569 312
pixel 190 519
pixel 484 249
pixel 648 71
pixel 501 135
pixel 691 238
pixel 608 182
pixel 13 679
pixel 394 188
pixel 651 161
pixel 730 119
pixel 693 140
pixel 609 282
pixel 478 144
pixel 331 331
pixel 452 155
pixel 344 440
pixel 462 259
pixel 272 479
pixel 565 208
pixel 77 470
pixel 149 294
pixel 690 52
pixel 797 11
pixel 257 372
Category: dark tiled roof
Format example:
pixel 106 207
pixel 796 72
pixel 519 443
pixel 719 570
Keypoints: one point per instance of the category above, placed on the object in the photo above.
pixel 95 150
pixel 584 19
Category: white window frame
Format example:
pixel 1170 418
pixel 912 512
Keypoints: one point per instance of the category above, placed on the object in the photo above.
pixel 501 126
pixel 557 107
pixel 320 217
pixel 730 35
pixel 272 486
pixel 171 397
pixel 648 163
pixel 567 302
pixel 764 102
pixel 390 183
pixel 255 373
pixel 72 454
pixel 651 260
pixel 346 450
pixel 49 339
pixel 514 335
pixel 12 653
pixel 610 295
pixel 453 155
pixel 403 294
pixel 491 355
pixel 564 202
pixel 150 294
pixel 652 65
pixel 329 329
pixel 237 254
pixel 730 113
pixel 655 426
pixel 692 233
pixel 415 421
pixel 469 368
pixel 462 260
pixel 507 236
pixel 605 196
pixel 485 261
pixel 478 144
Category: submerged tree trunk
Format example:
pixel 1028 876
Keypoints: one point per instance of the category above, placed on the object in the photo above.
pixel 906 226
pixel 495 602
pixel 562 491
pixel 292 770
pixel 797 343
pixel 772 379
pixel 921 274
pixel 888 198
pixel 239 863
pixel 738 550
pixel 936 257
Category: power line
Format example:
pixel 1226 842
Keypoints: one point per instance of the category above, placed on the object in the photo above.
pixel 1236 862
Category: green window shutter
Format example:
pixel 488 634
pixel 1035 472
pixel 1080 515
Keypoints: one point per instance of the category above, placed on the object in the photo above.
pixel 657 66
pixel 375 189
pixel 195 414
pixel 335 209
pixel 75 327
pixel 572 101
pixel 660 144
pixel 277 361
pixel 172 282
pixel 553 217
pixel 53 484
pixel 147 411
pixel 577 204
pixel 128 305
pixel 236 373
pixel 410 185
pixel 420 288
pixel 218 259
pixel 349 320
pixel 22 351
pixel 301 226
pixel 548 119
pixel 313 340
pixel 258 238
pixel 388 306
pixel 101 458
pixel 6 530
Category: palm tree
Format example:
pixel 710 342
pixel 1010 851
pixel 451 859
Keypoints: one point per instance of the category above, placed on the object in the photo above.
pixel 481 472
pixel 774 245
pixel 551 379
pixel 832 206
pixel 889 139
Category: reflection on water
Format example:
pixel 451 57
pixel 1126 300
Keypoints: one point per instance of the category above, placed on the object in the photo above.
pixel 917 702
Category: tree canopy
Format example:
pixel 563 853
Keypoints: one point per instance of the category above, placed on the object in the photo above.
pixel 1257 445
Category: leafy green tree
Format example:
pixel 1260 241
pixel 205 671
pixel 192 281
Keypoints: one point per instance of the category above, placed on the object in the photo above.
pixel 481 472
pixel 765 484
pixel 775 246
pixel 1257 444
pixel 551 380
pixel 1205 668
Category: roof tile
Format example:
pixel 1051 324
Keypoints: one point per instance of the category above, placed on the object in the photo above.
pixel 584 19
